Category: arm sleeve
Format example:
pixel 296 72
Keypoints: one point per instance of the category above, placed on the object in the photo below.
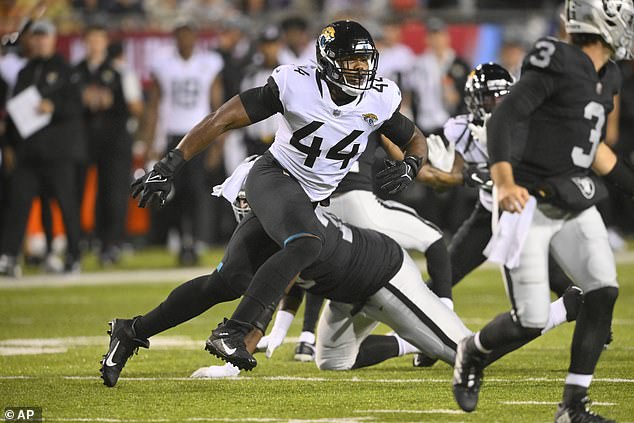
pixel 525 97
pixel 399 129
pixel 262 102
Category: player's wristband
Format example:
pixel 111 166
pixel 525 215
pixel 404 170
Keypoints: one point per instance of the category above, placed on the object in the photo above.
pixel 415 162
pixel 622 176
pixel 169 165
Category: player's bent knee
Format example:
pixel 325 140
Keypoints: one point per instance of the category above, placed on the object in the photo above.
pixel 306 245
pixel 333 364
pixel 602 299
pixel 529 325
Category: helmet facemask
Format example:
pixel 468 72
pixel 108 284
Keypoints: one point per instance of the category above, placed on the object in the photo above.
pixel 485 88
pixel 613 20
pixel 240 206
pixel 347 57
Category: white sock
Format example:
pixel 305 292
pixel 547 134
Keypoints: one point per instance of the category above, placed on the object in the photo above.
pixel 579 380
pixel 405 347
pixel 478 344
pixel 283 320
pixel 447 301
pixel 556 316
pixel 307 337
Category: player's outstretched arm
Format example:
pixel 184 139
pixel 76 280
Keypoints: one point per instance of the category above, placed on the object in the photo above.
pixel 230 115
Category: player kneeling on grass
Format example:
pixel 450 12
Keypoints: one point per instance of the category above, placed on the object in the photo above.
pixel 357 269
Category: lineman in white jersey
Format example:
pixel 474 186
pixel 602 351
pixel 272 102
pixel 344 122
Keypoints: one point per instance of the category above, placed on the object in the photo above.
pixel 328 113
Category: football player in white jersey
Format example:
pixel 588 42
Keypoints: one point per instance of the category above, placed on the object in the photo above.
pixel 328 112
pixel 185 87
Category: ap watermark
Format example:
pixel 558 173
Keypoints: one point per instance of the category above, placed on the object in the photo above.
pixel 23 414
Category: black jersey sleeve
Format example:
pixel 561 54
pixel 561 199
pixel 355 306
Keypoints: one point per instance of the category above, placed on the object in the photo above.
pixel 399 129
pixel 262 102
pixel 526 96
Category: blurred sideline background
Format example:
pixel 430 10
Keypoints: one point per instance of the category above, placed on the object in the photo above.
pixel 249 38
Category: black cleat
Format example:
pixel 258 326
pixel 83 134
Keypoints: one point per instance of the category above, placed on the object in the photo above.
pixel 422 360
pixel 123 343
pixel 227 343
pixel 305 352
pixel 573 299
pixel 578 412
pixel 467 374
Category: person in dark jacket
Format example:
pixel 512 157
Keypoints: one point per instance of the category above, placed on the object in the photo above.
pixel 46 160
pixel 109 142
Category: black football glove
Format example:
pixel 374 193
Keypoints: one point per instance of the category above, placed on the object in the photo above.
pixel 157 183
pixel 398 174
pixel 477 175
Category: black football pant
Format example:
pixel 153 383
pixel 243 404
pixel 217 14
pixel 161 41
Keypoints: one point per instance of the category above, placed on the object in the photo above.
pixel 114 163
pixel 466 247
pixel 287 216
pixel 30 179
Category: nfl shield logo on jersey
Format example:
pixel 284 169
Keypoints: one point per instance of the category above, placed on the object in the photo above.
pixel 585 185
pixel 370 118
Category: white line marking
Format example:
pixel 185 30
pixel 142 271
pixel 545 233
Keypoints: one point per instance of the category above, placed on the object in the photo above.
pixel 551 403
pixel 440 411
pixel 322 379
pixel 218 419
pixel 151 276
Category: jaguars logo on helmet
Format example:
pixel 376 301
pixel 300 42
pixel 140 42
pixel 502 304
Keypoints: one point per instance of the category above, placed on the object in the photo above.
pixel 340 47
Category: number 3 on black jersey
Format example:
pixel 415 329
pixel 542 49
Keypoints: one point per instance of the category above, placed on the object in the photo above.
pixel 313 150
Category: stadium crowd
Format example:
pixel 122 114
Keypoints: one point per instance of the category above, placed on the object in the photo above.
pixel 121 82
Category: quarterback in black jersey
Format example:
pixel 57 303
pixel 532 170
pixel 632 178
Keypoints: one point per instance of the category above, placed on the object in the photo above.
pixel 564 94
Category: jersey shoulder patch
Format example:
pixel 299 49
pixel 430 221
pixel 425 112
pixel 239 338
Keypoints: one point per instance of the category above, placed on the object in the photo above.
pixel 548 55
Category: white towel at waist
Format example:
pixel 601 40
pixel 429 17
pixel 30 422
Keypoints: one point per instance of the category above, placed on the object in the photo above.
pixel 231 187
pixel 508 239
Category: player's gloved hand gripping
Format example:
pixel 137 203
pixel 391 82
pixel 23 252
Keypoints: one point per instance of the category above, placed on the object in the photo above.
pixel 158 182
pixel 477 175
pixel 398 174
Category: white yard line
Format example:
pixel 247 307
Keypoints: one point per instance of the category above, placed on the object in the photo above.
pixel 217 419
pixel 162 275
pixel 439 411
pixel 551 403
pixel 324 379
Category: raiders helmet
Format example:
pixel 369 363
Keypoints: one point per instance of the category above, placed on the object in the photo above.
pixel 613 20
pixel 486 84
pixel 240 206
pixel 337 44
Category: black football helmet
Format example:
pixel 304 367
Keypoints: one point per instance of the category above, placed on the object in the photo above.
pixel 340 47
pixel 486 84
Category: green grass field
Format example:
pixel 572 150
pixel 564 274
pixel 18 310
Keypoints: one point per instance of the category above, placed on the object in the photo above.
pixel 63 329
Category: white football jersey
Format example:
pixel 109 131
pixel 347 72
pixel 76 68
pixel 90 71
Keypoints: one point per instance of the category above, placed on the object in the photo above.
pixel 317 142
pixel 456 131
pixel 185 88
